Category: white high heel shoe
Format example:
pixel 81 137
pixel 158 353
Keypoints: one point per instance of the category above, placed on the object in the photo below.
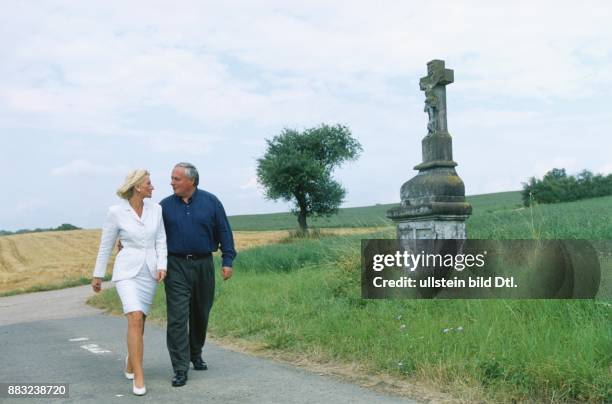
pixel 139 391
pixel 129 376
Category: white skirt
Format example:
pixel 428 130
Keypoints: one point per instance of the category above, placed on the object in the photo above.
pixel 137 293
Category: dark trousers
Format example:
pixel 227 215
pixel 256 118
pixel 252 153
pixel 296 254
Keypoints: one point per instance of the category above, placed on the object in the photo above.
pixel 190 290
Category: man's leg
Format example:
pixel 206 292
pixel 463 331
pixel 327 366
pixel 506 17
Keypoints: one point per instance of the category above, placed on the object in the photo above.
pixel 201 302
pixel 178 292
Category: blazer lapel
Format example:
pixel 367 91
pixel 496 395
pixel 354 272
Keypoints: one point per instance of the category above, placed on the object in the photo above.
pixel 145 212
pixel 129 208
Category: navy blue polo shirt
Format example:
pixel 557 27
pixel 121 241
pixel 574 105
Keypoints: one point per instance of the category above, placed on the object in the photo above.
pixel 199 226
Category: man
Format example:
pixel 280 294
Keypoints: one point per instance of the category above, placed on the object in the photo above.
pixel 196 225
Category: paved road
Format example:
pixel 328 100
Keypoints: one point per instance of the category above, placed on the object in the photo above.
pixel 54 337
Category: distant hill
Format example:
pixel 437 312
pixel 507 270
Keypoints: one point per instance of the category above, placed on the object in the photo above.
pixel 365 216
pixel 62 227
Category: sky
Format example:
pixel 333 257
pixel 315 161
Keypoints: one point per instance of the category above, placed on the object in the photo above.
pixel 91 90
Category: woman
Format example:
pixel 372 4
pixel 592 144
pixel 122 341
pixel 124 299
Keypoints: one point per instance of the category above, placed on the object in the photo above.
pixel 140 264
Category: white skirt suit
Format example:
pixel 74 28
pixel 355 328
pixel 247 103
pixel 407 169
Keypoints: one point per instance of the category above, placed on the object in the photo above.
pixel 144 253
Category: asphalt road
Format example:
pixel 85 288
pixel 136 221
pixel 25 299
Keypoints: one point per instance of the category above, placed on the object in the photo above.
pixel 54 337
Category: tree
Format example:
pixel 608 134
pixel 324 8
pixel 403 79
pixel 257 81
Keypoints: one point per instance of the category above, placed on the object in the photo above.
pixel 66 226
pixel 297 166
pixel 556 186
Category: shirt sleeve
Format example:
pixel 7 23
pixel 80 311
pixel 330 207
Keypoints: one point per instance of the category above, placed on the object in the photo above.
pixel 224 236
pixel 110 232
pixel 160 242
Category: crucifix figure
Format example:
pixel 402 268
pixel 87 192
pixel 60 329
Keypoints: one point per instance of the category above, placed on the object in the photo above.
pixel 434 85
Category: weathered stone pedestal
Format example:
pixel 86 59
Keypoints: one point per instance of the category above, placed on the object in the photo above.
pixel 433 204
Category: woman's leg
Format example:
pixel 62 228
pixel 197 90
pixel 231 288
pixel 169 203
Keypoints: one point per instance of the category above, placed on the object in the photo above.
pixel 128 363
pixel 135 345
pixel 129 368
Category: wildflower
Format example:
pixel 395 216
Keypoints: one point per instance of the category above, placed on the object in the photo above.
pixel 446 330
pixel 399 317
pixel 403 327
pixel 459 329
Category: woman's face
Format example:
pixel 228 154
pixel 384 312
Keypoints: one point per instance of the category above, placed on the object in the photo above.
pixel 145 187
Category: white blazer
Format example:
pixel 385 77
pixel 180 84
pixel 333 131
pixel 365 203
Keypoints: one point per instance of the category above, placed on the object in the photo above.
pixel 143 239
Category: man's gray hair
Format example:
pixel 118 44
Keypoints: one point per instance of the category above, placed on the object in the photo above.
pixel 190 172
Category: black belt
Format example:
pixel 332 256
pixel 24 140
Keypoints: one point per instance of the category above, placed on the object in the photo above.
pixel 190 256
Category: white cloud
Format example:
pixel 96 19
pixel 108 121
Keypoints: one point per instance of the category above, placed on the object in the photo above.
pixel 29 206
pixel 605 169
pixel 192 144
pixel 546 164
pixel 251 183
pixel 84 167
pixel 491 118
pixel 69 63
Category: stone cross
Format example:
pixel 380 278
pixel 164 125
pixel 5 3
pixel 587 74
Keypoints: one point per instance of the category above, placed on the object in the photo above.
pixel 433 204
pixel 434 85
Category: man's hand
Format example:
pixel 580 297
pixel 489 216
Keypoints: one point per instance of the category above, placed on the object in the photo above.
pixel 161 275
pixel 226 273
pixel 119 245
pixel 96 284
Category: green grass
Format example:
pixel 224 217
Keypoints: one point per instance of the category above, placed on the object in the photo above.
pixel 518 350
pixel 304 297
pixel 66 283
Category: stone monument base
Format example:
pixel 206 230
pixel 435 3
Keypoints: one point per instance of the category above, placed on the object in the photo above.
pixel 439 227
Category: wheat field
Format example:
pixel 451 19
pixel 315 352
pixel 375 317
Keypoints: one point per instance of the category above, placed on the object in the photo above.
pixel 35 259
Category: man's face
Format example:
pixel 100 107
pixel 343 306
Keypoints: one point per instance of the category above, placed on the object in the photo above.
pixel 181 184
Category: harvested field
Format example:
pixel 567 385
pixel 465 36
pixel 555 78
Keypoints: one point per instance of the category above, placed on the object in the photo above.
pixel 35 259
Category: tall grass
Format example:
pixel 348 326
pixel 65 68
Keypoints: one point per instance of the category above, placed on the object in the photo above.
pixel 590 219
pixel 508 350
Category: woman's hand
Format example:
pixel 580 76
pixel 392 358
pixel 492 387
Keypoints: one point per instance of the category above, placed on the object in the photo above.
pixel 96 284
pixel 161 275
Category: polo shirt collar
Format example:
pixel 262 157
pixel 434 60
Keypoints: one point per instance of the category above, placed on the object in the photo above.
pixel 191 198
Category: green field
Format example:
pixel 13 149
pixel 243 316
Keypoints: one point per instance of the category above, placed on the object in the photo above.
pixel 367 216
pixel 304 298
pixel 589 219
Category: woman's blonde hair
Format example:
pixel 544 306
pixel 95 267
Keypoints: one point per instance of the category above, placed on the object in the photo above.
pixel 133 178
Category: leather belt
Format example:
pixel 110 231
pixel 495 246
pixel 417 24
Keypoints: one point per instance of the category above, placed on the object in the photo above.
pixel 190 256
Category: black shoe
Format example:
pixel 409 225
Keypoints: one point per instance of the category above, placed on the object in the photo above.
pixel 179 379
pixel 199 364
